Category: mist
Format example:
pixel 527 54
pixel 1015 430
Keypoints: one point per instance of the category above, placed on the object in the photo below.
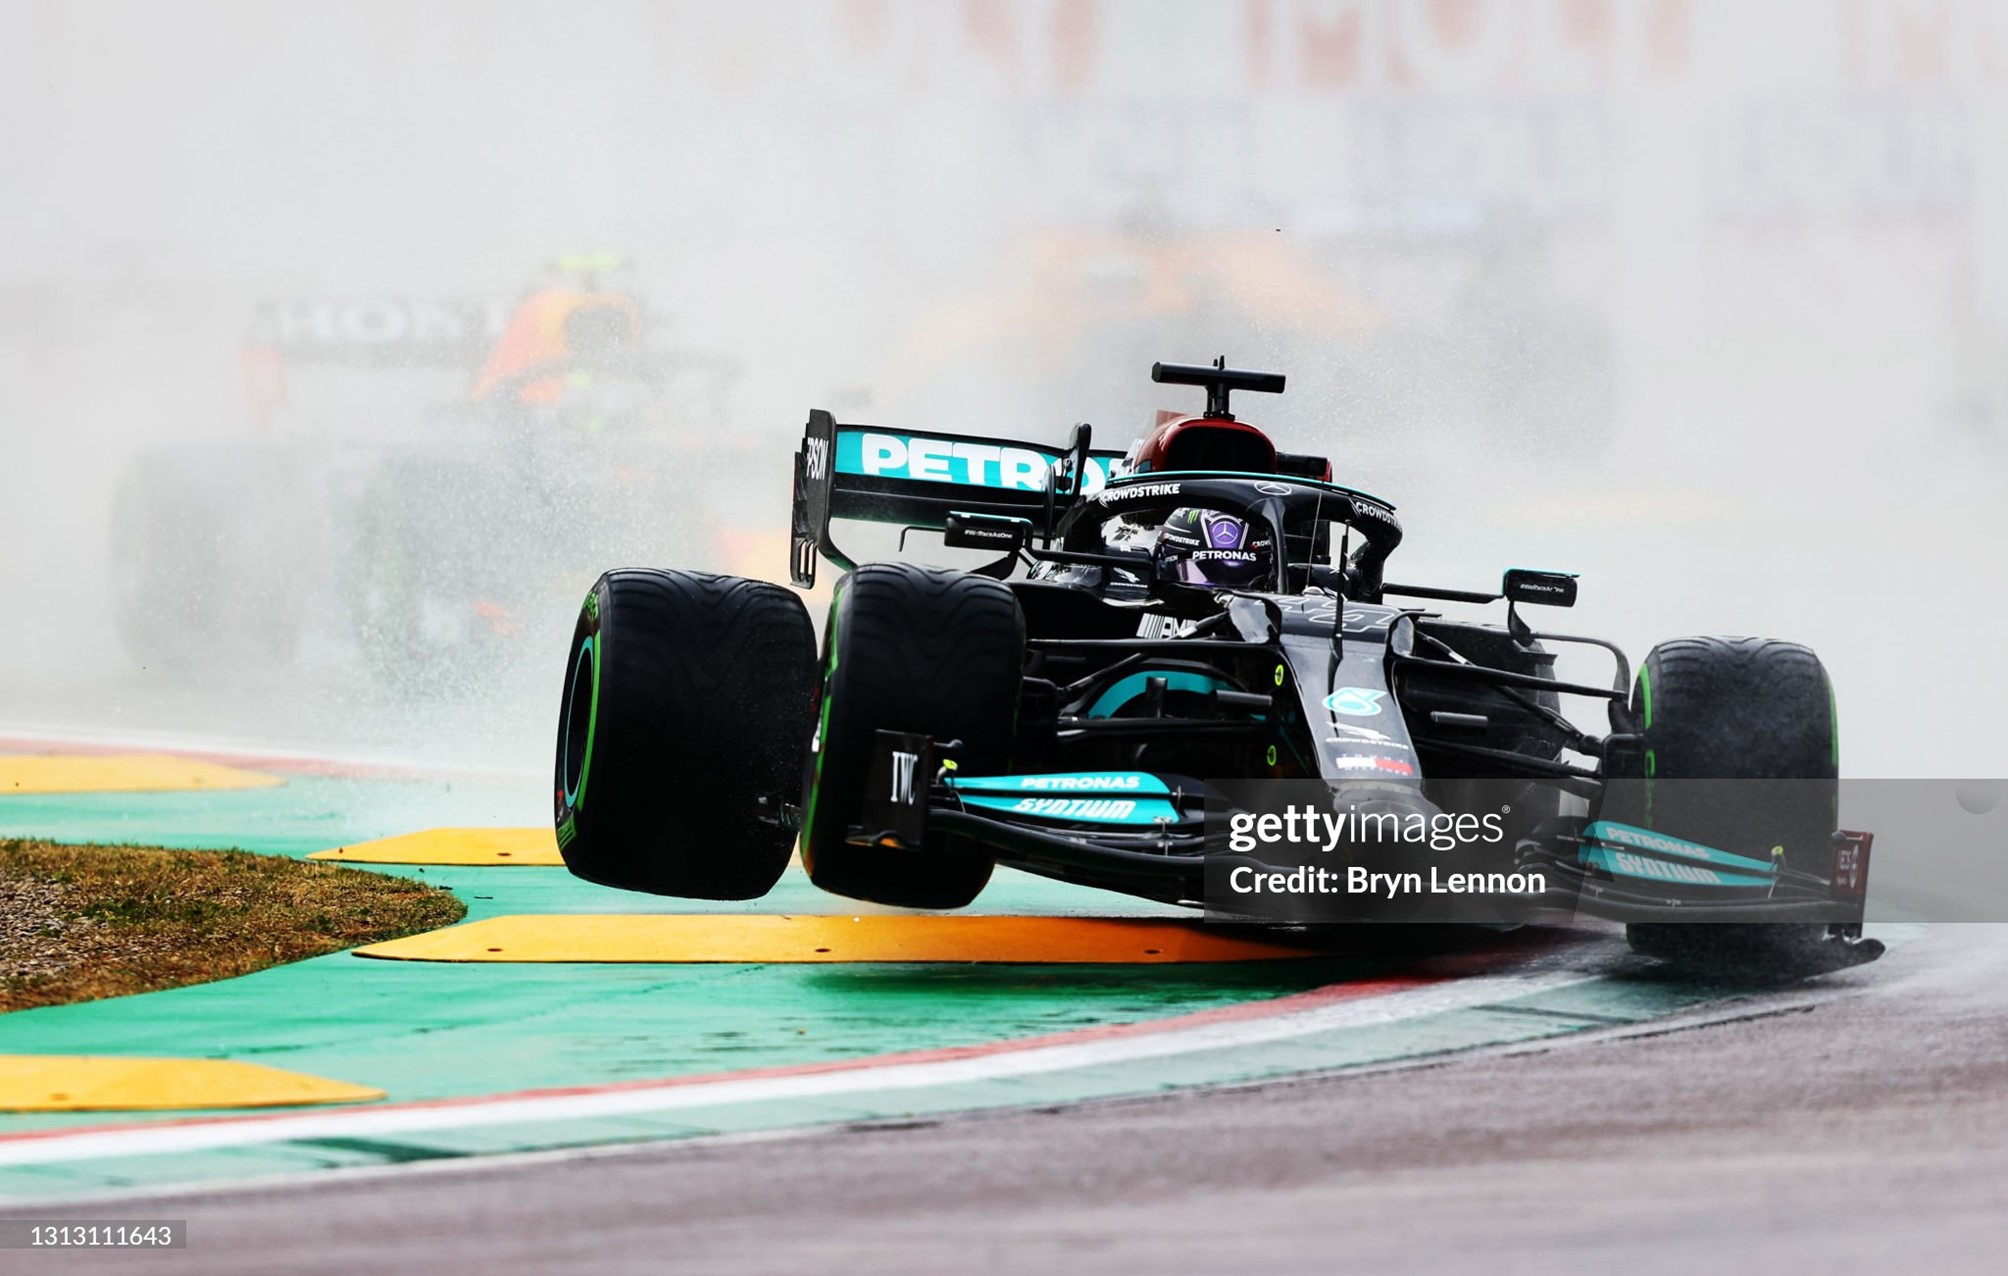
pixel 1707 301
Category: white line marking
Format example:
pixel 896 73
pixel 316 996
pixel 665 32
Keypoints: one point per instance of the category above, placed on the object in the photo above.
pixel 671 1097
pixel 319 1180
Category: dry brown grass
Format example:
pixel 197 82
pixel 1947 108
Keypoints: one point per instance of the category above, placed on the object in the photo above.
pixel 82 922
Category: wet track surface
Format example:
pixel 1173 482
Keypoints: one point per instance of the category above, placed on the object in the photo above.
pixel 322 417
pixel 1854 1123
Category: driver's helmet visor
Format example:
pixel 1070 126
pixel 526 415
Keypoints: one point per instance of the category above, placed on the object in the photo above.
pixel 1206 547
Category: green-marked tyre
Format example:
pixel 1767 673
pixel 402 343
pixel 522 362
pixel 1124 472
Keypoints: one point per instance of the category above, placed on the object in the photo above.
pixel 909 649
pixel 1735 709
pixel 688 700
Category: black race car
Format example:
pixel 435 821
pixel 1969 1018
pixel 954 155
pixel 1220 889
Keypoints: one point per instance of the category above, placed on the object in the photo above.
pixel 1182 673
pixel 420 472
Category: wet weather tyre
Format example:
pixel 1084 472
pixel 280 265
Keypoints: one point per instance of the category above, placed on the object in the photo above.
pixel 1738 708
pixel 686 712
pixel 909 649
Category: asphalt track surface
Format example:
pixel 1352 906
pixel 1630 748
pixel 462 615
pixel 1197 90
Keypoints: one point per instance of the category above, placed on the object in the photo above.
pixel 1855 1123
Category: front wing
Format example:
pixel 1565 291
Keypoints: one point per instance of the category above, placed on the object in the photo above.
pixel 1148 834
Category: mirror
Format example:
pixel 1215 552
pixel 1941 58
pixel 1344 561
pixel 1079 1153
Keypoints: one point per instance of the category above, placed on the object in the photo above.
pixel 1547 589
pixel 998 532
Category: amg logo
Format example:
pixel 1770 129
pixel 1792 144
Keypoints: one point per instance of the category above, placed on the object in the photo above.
pixel 1640 867
pixel 1078 782
pixel 1077 808
pixel 903 766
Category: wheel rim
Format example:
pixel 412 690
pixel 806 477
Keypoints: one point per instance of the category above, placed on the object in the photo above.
pixel 582 702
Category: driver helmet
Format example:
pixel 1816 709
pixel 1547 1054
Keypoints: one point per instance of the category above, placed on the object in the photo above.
pixel 1213 550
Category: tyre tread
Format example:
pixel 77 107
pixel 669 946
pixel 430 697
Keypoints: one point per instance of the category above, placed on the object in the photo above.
pixel 705 692
pixel 924 650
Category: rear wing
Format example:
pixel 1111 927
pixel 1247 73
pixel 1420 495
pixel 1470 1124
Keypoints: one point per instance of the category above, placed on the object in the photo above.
pixel 378 332
pixel 884 475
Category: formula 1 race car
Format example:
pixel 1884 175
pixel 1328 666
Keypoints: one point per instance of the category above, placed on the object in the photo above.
pixel 1158 649
pixel 418 472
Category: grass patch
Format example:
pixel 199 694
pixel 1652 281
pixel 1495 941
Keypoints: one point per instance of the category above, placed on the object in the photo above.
pixel 82 922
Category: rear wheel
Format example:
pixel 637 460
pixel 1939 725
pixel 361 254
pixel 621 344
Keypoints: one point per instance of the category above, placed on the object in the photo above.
pixel 686 707
pixel 1737 709
pixel 909 649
